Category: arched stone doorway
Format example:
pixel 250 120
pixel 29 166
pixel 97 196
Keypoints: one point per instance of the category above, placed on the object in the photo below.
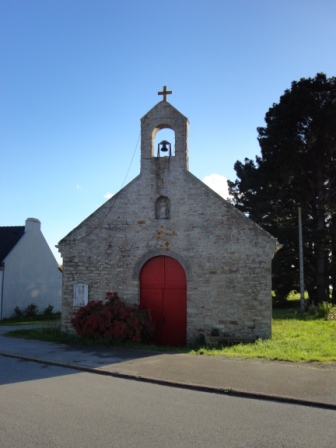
pixel 163 290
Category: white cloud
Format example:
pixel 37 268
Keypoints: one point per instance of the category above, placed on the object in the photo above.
pixel 108 195
pixel 218 183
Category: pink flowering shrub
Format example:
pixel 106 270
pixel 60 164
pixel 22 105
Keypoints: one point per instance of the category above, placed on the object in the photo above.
pixel 114 320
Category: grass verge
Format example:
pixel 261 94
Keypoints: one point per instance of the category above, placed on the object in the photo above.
pixel 28 320
pixel 53 333
pixel 294 338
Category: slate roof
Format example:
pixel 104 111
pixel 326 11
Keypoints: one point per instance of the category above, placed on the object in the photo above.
pixel 9 236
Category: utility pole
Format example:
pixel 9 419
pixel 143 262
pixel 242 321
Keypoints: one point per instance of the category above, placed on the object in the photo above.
pixel 302 300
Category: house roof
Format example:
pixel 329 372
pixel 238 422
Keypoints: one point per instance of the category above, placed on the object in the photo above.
pixel 9 236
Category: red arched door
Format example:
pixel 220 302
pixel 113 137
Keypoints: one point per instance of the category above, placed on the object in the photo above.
pixel 163 290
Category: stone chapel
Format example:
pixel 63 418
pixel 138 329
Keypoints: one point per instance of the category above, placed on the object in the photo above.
pixel 170 243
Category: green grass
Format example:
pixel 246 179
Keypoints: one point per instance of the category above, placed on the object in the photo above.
pixel 48 333
pixel 28 320
pixel 294 338
pixel 53 333
pixel 294 295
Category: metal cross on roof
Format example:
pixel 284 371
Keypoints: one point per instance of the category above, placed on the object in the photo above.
pixel 165 92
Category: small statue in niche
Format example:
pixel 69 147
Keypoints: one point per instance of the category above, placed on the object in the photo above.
pixel 162 208
pixel 164 212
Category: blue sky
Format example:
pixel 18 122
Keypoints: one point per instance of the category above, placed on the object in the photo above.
pixel 77 75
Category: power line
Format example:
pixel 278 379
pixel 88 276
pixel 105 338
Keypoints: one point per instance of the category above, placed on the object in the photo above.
pixel 113 201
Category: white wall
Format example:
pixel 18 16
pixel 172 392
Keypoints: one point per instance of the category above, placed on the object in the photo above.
pixel 1 283
pixel 31 273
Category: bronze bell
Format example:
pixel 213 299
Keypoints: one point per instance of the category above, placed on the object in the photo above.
pixel 164 146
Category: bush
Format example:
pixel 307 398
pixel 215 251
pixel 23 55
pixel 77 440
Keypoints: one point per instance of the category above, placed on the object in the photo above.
pixel 18 312
pixel 31 310
pixel 48 310
pixel 113 320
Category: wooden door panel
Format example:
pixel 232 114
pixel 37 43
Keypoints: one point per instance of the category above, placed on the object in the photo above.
pixel 174 328
pixel 163 290
pixel 174 274
pixel 152 274
pixel 152 299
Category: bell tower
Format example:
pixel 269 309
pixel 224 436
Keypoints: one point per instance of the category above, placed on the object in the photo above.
pixel 164 116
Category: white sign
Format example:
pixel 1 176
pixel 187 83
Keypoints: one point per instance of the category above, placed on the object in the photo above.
pixel 81 294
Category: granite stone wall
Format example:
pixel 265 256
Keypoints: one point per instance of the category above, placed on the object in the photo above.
pixel 168 211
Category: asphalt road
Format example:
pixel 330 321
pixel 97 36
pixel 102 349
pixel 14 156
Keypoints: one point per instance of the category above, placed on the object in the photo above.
pixel 47 406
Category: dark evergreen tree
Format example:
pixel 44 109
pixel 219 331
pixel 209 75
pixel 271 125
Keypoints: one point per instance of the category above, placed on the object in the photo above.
pixel 297 167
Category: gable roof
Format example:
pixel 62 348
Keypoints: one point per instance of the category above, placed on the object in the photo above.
pixel 165 108
pixel 9 236
pixel 233 209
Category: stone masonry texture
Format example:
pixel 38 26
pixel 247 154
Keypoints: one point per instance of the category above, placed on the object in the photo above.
pixel 226 256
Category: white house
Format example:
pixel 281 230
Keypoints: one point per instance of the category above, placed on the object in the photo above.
pixel 28 270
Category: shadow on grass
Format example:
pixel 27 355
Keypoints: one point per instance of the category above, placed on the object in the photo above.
pixel 53 333
pixel 289 313
pixel 295 314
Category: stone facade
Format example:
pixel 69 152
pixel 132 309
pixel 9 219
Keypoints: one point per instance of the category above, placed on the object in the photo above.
pixel 166 210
